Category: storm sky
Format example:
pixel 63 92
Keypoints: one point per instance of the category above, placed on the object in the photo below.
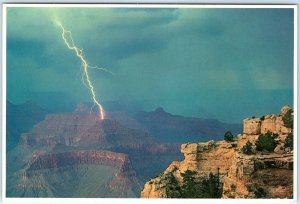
pixel 218 63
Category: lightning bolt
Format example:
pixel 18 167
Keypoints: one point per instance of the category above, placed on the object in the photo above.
pixel 79 53
pixel 102 69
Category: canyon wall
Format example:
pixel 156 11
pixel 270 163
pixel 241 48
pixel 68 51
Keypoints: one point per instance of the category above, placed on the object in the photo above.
pixel 267 174
pixel 45 173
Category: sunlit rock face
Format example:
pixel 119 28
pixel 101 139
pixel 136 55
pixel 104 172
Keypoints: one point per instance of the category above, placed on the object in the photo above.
pixel 260 174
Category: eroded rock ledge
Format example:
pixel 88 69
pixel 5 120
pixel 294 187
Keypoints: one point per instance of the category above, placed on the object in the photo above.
pixel 267 174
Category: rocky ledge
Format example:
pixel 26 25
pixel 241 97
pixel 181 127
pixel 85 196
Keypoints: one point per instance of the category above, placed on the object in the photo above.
pixel 234 172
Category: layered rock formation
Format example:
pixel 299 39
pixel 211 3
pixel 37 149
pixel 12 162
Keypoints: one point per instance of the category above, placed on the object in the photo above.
pixel 260 174
pixel 35 174
pixel 82 128
pixel 272 174
pixel 77 145
pixel 80 157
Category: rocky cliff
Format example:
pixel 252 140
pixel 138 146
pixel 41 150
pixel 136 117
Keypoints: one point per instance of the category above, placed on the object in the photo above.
pixel 36 178
pixel 228 170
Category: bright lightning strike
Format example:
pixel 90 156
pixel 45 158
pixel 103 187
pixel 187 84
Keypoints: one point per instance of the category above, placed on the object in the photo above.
pixel 71 45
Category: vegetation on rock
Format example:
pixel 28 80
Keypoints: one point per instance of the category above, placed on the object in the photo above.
pixel 214 190
pixel 266 142
pixel 288 119
pixel 193 187
pixel 289 141
pixel 228 136
pixel 247 148
pixel 190 188
pixel 260 193
pixel 172 188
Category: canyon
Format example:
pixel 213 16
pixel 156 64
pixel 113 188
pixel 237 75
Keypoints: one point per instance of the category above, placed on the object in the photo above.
pixel 44 174
pixel 63 152
pixel 66 146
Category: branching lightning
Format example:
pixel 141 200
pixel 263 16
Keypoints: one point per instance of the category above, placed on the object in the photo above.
pixel 102 69
pixel 85 77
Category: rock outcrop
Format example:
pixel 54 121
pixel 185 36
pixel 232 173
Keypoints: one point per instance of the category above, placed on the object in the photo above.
pixel 260 174
pixel 272 174
pixel 269 123
pixel 252 126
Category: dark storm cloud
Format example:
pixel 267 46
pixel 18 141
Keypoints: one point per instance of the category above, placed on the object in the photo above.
pixel 186 60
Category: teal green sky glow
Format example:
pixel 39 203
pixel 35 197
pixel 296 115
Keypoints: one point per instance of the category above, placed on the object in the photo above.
pixel 215 63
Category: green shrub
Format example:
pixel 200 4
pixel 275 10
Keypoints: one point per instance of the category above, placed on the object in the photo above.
pixel 288 119
pixel 193 187
pixel 172 188
pixel 289 141
pixel 247 148
pixel 214 190
pixel 260 193
pixel 189 188
pixel 266 142
pixel 228 136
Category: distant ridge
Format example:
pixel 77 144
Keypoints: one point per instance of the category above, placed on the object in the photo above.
pixel 175 128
